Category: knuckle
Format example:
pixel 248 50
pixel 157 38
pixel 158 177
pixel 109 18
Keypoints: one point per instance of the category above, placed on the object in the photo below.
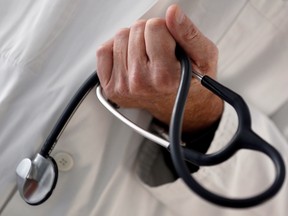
pixel 159 75
pixel 135 79
pixel 165 76
pixel 139 78
pixel 190 33
pixel 102 50
pixel 155 24
pixel 138 25
pixel 121 89
pixel 135 85
pixel 122 33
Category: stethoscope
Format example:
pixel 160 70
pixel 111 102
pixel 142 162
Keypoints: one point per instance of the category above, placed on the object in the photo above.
pixel 37 178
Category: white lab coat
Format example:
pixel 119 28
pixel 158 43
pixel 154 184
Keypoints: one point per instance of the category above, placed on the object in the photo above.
pixel 47 49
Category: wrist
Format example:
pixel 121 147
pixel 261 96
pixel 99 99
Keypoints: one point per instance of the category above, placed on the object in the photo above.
pixel 199 117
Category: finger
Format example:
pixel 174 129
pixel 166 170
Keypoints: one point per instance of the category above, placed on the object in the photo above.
pixel 120 50
pixel 163 64
pixel 119 71
pixel 137 59
pixel 199 48
pixel 104 66
pixel 136 47
pixel 160 45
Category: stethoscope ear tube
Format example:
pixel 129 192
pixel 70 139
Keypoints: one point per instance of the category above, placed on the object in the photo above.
pixel 244 138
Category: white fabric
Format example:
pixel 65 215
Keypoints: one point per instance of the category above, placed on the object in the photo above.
pixel 47 49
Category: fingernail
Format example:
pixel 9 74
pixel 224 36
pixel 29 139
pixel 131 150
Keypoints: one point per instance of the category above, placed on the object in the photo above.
pixel 179 15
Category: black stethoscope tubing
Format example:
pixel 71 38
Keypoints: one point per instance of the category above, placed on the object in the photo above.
pixel 244 138
pixel 68 112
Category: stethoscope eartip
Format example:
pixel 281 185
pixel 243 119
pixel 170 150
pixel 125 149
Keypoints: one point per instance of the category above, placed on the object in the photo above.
pixel 36 179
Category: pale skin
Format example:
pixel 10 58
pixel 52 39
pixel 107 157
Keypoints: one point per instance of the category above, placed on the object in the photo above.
pixel 138 68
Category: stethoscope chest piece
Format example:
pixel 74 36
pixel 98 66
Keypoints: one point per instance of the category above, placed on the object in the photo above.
pixel 36 179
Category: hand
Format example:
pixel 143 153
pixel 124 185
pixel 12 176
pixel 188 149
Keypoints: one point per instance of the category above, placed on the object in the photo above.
pixel 138 68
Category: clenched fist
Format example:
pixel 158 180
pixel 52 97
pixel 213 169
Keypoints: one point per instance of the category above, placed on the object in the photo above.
pixel 138 68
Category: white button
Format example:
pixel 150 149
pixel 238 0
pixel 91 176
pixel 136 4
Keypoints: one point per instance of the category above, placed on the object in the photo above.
pixel 64 161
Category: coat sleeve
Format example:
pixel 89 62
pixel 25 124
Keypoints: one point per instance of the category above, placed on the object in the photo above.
pixel 248 172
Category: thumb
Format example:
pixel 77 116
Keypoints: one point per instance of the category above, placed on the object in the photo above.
pixel 200 49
